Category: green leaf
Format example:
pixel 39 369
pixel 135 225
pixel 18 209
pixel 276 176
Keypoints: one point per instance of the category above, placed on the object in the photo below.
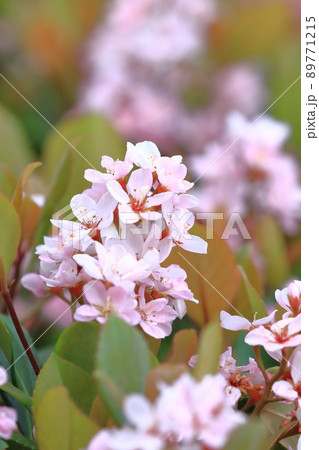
pixel 210 346
pixel 22 375
pixel 256 303
pixel 3 444
pixel 93 137
pixel 271 242
pixel 60 424
pixel 252 436
pixel 19 442
pixel 78 344
pixel 274 414
pixel 123 363
pixel 60 180
pixel 8 181
pixel 17 394
pixel 23 179
pixel 183 346
pixel 58 372
pixel 14 147
pixel 10 231
pixel 5 341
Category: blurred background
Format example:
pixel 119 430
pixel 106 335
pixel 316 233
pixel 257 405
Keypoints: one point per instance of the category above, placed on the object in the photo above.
pixel 168 71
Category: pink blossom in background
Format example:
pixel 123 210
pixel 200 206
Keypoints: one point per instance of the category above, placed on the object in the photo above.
pixel 8 422
pixel 149 94
pixel 185 413
pixel 247 171
pixel 55 310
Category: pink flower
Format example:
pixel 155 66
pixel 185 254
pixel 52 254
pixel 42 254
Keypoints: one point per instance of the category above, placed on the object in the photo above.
pixel 34 283
pixel 156 315
pixel 237 323
pixel 125 439
pixel 170 282
pixel 3 376
pixel 8 419
pixel 186 413
pixel 171 173
pixel 114 264
pixel 138 202
pixel 95 218
pixel 239 381
pixel 115 170
pixel 102 302
pixel 179 223
pixel 290 390
pixel 144 154
pixel 290 299
pixel 191 411
pixel 282 334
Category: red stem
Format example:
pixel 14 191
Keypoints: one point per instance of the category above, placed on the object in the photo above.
pixel 8 300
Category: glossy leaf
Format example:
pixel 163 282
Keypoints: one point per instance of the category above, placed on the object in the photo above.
pixel 22 375
pixel 123 362
pixel 209 349
pixel 10 231
pixel 19 442
pixel 60 179
pixel 92 136
pixel 5 341
pixel 183 346
pixel 256 303
pixel 23 179
pixel 15 150
pixel 252 436
pixel 8 181
pixel 271 242
pixel 58 372
pixel 60 424
pixel 78 344
pixel 30 214
pixel 273 415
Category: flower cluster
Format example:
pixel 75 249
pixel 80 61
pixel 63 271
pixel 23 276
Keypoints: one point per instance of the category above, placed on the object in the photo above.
pixel 127 224
pixel 274 336
pixel 186 414
pixel 282 341
pixel 242 380
pixel 164 95
pixel 8 416
pixel 247 171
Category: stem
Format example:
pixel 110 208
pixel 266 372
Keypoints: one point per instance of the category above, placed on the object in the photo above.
pixel 265 398
pixel 14 286
pixel 260 363
pixel 19 330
